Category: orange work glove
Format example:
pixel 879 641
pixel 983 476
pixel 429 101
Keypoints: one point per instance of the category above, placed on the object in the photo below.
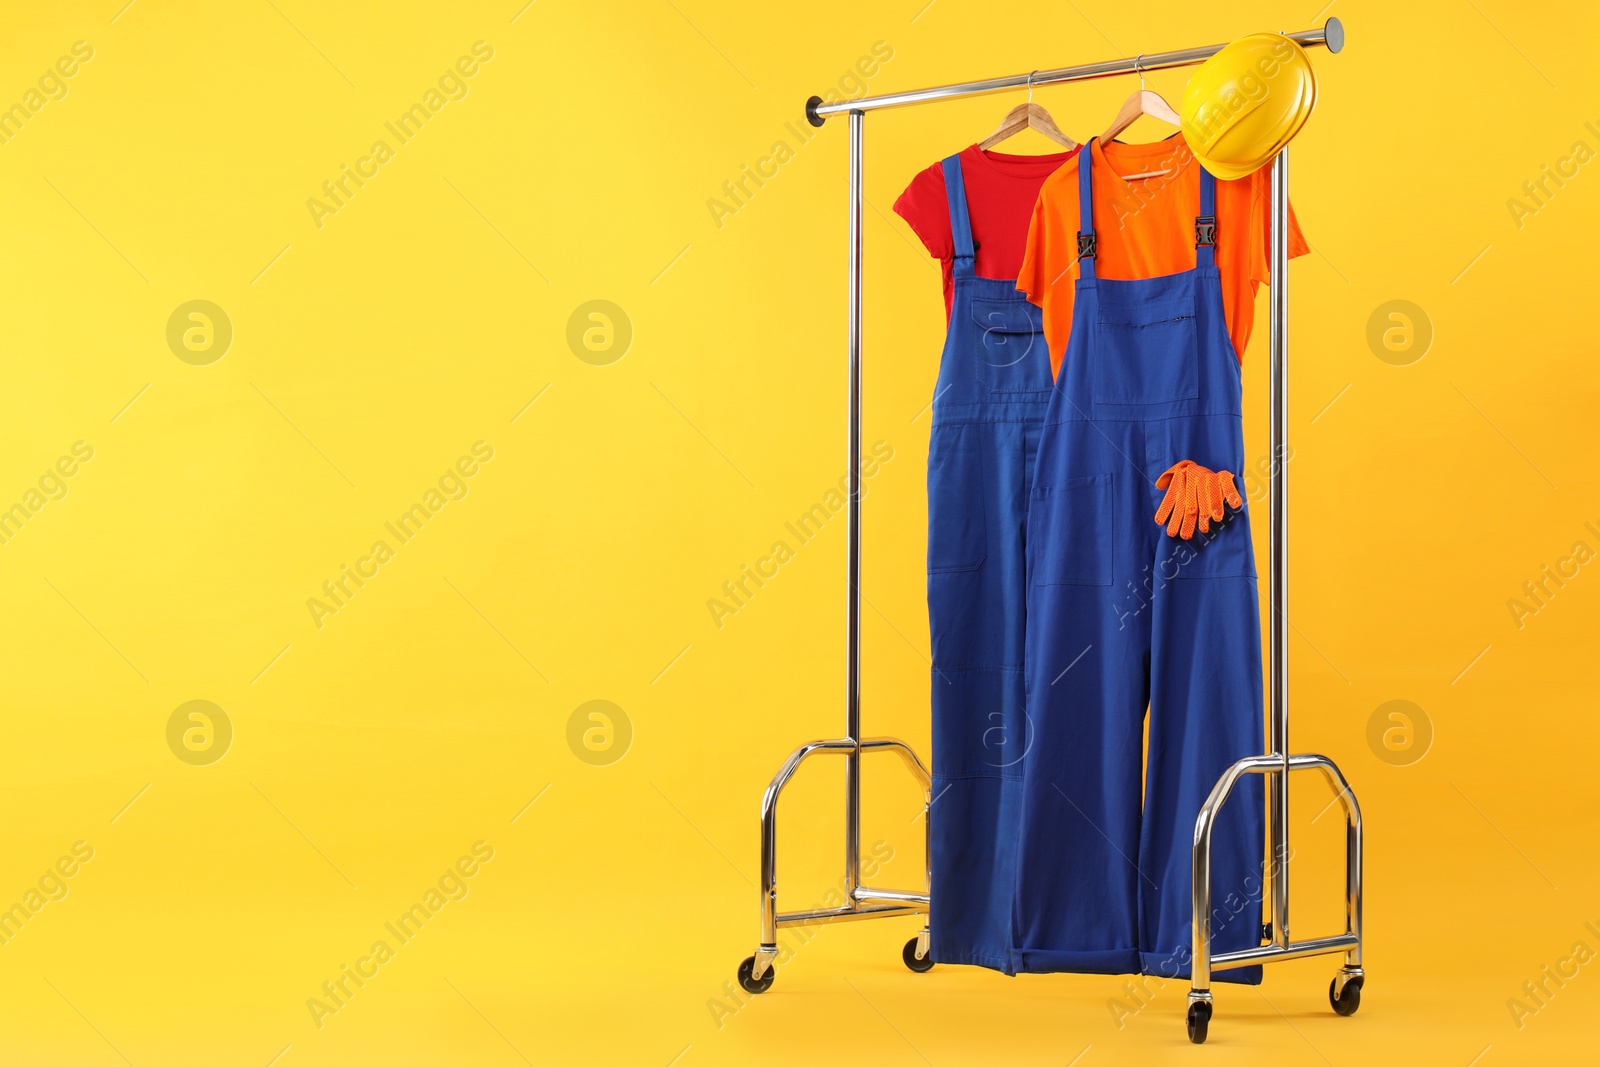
pixel 1195 497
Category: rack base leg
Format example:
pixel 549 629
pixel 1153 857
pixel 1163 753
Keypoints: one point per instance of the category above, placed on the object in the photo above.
pixel 1345 991
pixel 758 971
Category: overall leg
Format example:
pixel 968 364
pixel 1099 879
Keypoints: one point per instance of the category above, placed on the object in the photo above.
pixel 1205 712
pixel 1088 652
pixel 979 473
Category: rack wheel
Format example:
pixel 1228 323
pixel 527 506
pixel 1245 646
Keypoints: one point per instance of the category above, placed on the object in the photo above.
pixel 909 954
pixel 1347 1001
pixel 1199 1021
pixel 751 985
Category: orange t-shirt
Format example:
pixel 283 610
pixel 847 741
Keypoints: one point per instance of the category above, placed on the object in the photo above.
pixel 1146 229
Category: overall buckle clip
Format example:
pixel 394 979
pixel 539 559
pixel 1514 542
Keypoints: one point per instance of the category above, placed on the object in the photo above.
pixel 1086 245
pixel 1205 230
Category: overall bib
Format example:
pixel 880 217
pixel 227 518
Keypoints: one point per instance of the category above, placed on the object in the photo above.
pixel 1121 617
pixel 988 407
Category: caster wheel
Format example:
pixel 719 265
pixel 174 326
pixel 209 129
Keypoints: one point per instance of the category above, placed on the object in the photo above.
pixel 1199 1021
pixel 1346 1002
pixel 909 954
pixel 752 985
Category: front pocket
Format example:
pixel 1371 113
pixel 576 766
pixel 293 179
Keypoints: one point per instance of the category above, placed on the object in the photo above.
pixel 957 509
pixel 1012 344
pixel 1148 354
pixel 1225 551
pixel 1071 530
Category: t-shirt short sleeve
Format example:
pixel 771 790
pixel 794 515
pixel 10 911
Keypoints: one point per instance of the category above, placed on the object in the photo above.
pixel 1035 253
pixel 926 211
pixel 1050 258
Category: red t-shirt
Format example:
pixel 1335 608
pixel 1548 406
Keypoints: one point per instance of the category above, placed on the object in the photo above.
pixel 1001 190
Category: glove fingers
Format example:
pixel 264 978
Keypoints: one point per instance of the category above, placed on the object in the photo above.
pixel 1171 480
pixel 1230 490
pixel 1178 489
pixel 1194 486
pixel 1210 502
pixel 1207 497
pixel 1169 501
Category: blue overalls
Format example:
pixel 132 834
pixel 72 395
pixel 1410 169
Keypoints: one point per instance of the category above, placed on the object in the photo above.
pixel 1122 616
pixel 988 407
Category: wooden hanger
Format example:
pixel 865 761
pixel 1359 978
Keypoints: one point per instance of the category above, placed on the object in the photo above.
pixel 1144 102
pixel 1028 116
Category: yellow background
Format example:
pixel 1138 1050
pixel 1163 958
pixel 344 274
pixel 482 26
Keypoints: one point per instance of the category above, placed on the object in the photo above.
pixel 368 354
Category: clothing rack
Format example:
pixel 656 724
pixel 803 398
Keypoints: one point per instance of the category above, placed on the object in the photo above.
pixel 757 972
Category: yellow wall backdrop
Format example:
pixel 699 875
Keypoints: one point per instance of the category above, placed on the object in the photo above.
pixel 184 487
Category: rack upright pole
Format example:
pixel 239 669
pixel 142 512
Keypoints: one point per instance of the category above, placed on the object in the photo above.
pixel 852 695
pixel 1278 614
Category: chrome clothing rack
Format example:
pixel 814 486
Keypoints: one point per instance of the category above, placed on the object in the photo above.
pixel 757 972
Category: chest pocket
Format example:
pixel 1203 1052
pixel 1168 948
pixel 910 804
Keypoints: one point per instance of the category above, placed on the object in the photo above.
pixel 1012 345
pixel 1147 353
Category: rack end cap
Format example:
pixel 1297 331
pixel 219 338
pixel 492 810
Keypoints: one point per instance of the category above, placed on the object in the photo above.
pixel 816 101
pixel 1333 33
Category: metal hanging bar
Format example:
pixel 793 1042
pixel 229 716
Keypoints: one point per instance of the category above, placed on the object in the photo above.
pixel 1329 35
pixel 757 972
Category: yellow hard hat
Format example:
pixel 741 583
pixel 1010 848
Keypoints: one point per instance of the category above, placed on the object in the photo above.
pixel 1244 104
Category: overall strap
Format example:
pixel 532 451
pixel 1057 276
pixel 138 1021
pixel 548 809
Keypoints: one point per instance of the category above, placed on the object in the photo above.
pixel 955 194
pixel 1205 223
pixel 1087 243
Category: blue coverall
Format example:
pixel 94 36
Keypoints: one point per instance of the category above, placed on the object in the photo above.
pixel 988 408
pixel 1122 617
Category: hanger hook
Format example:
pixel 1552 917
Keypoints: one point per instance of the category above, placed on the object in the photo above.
pixel 1136 61
pixel 1030 85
